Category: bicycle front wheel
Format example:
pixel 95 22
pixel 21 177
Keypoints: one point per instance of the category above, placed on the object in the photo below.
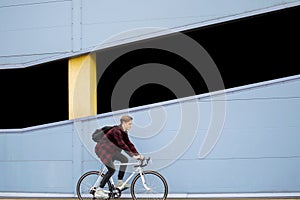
pixel 154 187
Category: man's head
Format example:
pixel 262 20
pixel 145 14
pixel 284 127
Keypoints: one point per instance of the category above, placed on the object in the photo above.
pixel 126 122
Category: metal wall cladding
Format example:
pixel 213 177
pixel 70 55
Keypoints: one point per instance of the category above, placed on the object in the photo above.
pixel 37 160
pixel 256 149
pixel 101 21
pixel 37 31
pixel 31 30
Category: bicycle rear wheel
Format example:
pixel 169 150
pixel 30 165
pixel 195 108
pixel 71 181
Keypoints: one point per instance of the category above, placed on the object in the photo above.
pixel 157 186
pixel 85 184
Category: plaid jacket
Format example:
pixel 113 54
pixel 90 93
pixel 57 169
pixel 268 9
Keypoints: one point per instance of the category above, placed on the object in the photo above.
pixel 114 141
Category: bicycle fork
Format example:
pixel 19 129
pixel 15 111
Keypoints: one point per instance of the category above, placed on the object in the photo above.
pixel 143 180
pixel 140 171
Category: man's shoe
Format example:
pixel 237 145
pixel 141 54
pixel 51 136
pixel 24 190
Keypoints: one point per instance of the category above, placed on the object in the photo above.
pixel 122 186
pixel 101 194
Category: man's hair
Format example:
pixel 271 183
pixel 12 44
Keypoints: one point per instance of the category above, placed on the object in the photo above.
pixel 125 118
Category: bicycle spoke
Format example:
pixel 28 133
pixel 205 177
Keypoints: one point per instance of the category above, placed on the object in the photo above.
pixel 86 183
pixel 155 187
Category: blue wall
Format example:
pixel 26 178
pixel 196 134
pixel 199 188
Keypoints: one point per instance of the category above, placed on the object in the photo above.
pixel 38 31
pixel 40 160
pixel 257 149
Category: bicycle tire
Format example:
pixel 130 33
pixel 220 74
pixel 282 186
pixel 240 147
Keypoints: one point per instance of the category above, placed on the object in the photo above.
pixel 155 181
pixel 86 182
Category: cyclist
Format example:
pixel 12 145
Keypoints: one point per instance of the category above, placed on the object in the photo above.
pixel 109 148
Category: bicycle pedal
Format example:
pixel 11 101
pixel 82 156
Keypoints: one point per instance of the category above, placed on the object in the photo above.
pixel 92 191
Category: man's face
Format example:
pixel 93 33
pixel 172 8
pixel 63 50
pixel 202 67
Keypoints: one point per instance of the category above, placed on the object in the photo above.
pixel 127 125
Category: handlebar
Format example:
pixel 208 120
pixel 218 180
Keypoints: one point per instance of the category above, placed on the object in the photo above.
pixel 143 162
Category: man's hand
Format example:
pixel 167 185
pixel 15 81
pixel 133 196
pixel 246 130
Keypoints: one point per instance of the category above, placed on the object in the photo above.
pixel 139 157
pixel 142 157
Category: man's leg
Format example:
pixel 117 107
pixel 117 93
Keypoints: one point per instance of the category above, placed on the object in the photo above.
pixel 110 171
pixel 123 159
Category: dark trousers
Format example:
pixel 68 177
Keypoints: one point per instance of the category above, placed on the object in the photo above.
pixel 111 168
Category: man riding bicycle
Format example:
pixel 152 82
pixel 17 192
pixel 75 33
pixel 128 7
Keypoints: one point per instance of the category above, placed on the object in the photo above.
pixel 109 148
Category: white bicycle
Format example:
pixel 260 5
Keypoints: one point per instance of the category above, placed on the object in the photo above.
pixel 145 184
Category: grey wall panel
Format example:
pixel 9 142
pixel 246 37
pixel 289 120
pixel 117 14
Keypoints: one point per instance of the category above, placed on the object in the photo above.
pixel 38 31
pixel 44 176
pixel 102 20
pixel 13 3
pixel 42 144
pixel 11 61
pixel 37 28
pixel 257 150
pixel 38 159
pixel 233 176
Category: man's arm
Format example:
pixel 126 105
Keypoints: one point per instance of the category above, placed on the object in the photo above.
pixel 132 147
pixel 129 143
pixel 121 143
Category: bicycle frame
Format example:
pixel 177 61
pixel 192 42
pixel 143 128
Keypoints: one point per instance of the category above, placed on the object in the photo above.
pixel 145 183
pixel 138 170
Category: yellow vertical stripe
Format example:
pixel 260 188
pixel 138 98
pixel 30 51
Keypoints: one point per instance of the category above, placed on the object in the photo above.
pixel 82 86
